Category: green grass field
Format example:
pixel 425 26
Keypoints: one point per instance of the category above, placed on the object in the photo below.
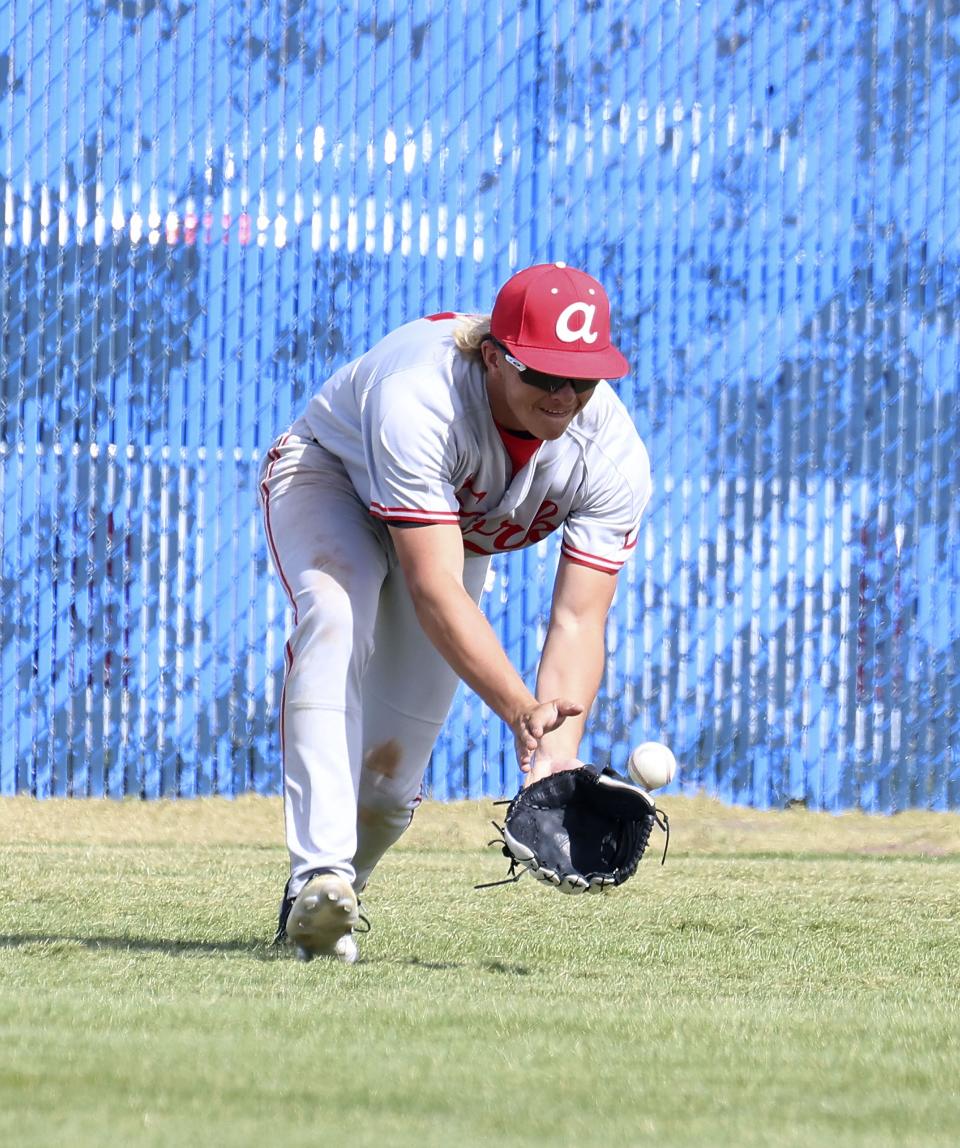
pixel 785 979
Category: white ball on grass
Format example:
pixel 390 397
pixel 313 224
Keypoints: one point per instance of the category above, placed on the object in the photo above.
pixel 652 764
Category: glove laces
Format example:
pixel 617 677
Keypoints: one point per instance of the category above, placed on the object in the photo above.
pixel 663 822
pixel 512 873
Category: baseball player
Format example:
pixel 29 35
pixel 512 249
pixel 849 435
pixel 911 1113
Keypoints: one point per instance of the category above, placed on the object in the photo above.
pixel 454 438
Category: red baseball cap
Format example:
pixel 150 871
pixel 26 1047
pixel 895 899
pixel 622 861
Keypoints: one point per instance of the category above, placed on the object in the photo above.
pixel 556 319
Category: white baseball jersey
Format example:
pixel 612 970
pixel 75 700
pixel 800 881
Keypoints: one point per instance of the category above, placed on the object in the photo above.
pixel 411 421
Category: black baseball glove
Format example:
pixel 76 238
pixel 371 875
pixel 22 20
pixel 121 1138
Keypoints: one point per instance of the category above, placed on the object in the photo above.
pixel 580 830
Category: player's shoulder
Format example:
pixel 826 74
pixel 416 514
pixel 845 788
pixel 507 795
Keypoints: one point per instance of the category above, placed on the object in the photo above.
pixel 419 365
pixel 414 345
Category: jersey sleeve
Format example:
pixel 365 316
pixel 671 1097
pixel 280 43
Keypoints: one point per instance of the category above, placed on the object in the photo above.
pixel 603 528
pixel 409 449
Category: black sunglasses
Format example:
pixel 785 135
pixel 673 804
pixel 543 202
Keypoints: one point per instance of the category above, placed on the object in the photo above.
pixel 549 383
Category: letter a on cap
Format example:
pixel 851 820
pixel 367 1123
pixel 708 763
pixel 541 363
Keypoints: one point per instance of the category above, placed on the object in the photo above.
pixel 567 334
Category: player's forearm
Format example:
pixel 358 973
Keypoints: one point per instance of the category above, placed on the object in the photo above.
pixel 571 667
pixel 457 627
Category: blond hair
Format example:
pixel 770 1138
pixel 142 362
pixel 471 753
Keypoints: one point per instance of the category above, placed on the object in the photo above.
pixel 471 332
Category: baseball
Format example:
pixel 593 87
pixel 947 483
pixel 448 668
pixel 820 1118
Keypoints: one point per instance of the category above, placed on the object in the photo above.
pixel 652 765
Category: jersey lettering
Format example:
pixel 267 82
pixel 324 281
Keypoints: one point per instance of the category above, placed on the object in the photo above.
pixel 468 492
pixel 506 535
pixel 568 334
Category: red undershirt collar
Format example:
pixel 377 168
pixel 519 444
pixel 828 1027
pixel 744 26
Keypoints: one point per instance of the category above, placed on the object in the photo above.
pixel 520 446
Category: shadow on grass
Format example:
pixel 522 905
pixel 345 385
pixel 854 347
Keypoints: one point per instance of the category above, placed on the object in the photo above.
pixel 261 949
pixel 486 966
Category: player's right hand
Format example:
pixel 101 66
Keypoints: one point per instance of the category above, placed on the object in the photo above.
pixel 530 727
pixel 543 766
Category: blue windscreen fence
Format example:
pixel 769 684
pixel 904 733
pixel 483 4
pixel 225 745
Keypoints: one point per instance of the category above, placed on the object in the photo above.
pixel 206 208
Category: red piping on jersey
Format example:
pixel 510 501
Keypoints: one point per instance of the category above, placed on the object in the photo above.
pixel 592 565
pixel 274 455
pixel 594 561
pixel 410 514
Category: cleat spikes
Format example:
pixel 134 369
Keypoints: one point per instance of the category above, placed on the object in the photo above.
pixel 322 918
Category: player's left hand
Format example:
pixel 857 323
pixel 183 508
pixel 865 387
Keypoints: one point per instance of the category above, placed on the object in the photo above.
pixel 579 830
